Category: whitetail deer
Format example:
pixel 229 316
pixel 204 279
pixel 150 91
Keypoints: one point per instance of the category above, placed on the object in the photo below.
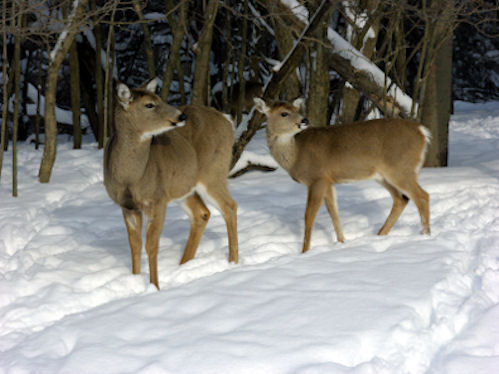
pixel 146 166
pixel 390 150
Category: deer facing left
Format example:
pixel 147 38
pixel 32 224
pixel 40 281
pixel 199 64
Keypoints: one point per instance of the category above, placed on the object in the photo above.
pixel 159 153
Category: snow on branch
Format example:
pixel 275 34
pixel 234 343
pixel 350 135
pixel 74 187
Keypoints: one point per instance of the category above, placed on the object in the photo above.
pixel 358 65
pixel 360 62
pixel 64 34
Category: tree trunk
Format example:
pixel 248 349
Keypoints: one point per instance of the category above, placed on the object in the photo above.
pixel 17 99
pixel 88 68
pixel 285 40
pixel 108 82
pixel 318 92
pixel 437 95
pixel 177 27
pixel 203 49
pixel 3 137
pixel 74 80
pixel 437 103
pixel 147 40
pixel 99 81
pixel 224 105
pixel 38 104
pixel 241 64
pixel 75 94
pixel 56 58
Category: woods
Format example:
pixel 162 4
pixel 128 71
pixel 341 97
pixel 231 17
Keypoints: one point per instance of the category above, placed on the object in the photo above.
pixel 351 61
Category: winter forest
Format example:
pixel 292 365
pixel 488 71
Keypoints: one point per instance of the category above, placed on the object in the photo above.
pixel 402 303
pixel 393 58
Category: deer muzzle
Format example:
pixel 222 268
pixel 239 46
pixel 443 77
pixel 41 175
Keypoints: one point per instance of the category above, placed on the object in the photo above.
pixel 180 120
pixel 303 124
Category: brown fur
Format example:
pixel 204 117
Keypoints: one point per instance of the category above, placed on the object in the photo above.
pixel 389 150
pixel 144 175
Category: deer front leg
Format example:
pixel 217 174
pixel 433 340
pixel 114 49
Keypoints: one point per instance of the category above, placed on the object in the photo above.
pixel 315 197
pixel 199 216
pixel 155 219
pixel 133 222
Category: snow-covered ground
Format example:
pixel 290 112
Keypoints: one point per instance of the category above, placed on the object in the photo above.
pixel 404 303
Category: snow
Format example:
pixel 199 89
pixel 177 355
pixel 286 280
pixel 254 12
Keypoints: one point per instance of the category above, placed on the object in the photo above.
pixel 403 303
pixel 61 115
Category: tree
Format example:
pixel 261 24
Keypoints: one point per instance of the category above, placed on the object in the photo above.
pixel 4 84
pixel 56 57
pixel 17 82
pixel 437 100
pixel 202 50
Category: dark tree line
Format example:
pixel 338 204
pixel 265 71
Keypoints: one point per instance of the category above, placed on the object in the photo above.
pixel 224 52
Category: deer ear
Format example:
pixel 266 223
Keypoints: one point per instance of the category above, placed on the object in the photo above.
pixel 124 95
pixel 298 103
pixel 152 85
pixel 260 105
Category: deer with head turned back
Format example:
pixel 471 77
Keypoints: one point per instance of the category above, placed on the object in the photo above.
pixel 160 153
pixel 391 151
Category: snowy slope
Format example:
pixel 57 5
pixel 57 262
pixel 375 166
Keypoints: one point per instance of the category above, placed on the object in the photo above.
pixel 404 303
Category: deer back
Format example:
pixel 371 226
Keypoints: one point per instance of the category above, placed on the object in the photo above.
pixel 211 135
pixel 344 153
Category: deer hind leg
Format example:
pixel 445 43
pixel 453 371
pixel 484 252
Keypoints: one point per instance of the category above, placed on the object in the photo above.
pixel 219 196
pixel 410 187
pixel 133 222
pixel 332 208
pixel 199 216
pixel 316 192
pixel 155 215
pixel 399 203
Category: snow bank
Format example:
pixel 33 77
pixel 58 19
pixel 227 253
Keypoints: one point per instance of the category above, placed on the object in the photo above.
pixel 403 303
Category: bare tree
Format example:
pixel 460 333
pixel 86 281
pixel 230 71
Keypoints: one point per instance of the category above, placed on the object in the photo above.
pixel 17 94
pixel 318 71
pixel 203 48
pixel 436 103
pixel 151 67
pixel 4 84
pixel 56 57
pixel 99 80
pixel 74 78
pixel 177 27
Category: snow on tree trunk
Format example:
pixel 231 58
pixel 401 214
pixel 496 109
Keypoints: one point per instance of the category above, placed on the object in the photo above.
pixel 56 57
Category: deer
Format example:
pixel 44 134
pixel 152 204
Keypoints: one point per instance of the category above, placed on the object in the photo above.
pixel 391 151
pixel 160 154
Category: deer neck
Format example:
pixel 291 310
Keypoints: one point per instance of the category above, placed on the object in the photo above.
pixel 129 155
pixel 283 148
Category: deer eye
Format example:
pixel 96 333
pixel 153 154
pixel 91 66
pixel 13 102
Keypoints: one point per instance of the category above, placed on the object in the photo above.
pixel 149 105
pixel 284 114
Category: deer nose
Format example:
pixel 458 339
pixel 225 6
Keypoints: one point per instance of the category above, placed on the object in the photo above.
pixel 182 117
pixel 303 124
